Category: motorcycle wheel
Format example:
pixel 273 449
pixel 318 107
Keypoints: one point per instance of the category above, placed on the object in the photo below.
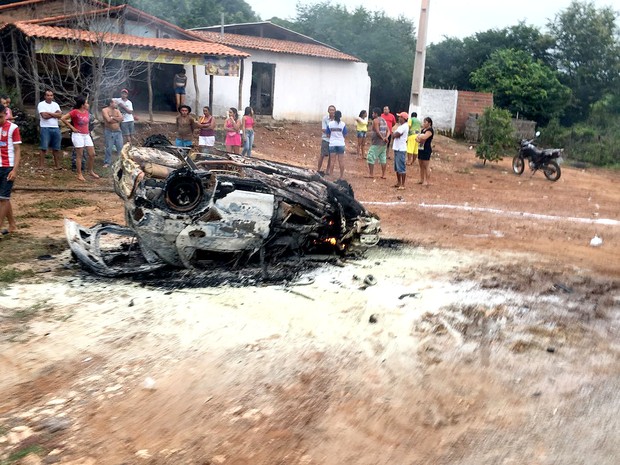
pixel 518 165
pixel 552 171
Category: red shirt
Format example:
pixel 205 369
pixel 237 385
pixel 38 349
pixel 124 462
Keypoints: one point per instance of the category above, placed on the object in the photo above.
pixel 9 135
pixel 390 119
pixel 80 120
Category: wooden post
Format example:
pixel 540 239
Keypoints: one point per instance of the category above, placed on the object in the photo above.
pixel 211 92
pixel 2 79
pixel 240 100
pixel 35 75
pixel 197 89
pixel 18 86
pixel 149 67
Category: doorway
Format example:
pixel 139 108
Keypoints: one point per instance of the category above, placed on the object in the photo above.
pixel 261 89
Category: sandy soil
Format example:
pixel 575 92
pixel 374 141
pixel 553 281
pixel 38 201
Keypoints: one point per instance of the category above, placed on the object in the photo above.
pixel 491 336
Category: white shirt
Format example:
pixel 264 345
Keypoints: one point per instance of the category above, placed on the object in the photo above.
pixel 400 143
pixel 324 122
pixel 126 116
pixel 50 108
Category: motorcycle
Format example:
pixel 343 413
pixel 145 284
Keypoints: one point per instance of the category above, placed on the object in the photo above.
pixel 547 160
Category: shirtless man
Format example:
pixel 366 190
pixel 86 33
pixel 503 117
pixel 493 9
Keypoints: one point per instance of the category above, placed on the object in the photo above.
pixel 112 119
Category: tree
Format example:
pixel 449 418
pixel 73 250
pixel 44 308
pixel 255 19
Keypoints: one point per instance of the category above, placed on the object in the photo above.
pixel 386 44
pixel 71 73
pixel 195 13
pixel 449 64
pixel 522 85
pixel 587 53
pixel 496 134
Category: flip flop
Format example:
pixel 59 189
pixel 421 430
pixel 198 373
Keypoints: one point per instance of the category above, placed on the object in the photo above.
pixel 4 232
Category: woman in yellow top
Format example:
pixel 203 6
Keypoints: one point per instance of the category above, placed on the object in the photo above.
pixel 361 126
pixel 412 144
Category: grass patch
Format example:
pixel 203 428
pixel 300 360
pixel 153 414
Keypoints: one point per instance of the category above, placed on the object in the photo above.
pixel 21 247
pixel 20 454
pixel 25 314
pixel 11 275
pixel 48 209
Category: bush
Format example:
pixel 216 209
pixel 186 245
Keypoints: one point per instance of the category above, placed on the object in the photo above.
pixel 496 134
pixel 28 127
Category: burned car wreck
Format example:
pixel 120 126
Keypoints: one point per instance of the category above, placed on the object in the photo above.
pixel 195 211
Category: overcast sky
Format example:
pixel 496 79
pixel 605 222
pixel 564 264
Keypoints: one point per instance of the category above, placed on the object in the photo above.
pixel 454 18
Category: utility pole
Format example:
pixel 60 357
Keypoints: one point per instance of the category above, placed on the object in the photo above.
pixel 417 81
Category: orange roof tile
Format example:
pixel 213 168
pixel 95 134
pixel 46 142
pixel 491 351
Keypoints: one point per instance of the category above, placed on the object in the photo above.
pixel 275 45
pixel 184 46
pixel 110 10
pixel 13 5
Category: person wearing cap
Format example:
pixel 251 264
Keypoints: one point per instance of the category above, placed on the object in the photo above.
pixel 126 108
pixel 399 136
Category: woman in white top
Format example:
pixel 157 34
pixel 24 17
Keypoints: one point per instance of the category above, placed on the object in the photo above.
pixel 336 130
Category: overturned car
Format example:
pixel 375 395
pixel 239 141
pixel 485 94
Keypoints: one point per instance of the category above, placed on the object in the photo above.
pixel 193 211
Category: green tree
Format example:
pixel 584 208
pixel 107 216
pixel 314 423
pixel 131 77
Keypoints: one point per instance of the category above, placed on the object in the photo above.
pixel 449 64
pixel 195 13
pixel 386 44
pixel 588 53
pixel 496 134
pixel 521 85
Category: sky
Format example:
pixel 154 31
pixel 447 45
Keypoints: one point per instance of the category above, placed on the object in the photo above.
pixel 454 18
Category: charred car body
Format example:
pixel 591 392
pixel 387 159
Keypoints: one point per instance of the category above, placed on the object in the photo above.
pixel 221 207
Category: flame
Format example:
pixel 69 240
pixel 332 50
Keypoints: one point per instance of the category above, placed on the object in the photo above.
pixel 331 240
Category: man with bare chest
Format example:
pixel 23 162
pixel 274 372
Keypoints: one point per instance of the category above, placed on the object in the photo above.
pixel 113 136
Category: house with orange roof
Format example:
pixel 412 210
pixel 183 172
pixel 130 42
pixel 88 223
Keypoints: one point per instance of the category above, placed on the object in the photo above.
pixel 88 47
pixel 287 75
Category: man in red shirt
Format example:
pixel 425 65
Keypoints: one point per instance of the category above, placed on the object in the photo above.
pixel 10 141
pixel 390 119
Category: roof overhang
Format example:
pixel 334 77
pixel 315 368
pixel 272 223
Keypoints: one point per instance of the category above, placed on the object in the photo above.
pixel 218 59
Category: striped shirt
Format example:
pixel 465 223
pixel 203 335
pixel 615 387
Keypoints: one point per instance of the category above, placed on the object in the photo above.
pixel 9 135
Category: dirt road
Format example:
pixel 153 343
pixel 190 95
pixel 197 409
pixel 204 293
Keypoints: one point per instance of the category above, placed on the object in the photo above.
pixel 491 336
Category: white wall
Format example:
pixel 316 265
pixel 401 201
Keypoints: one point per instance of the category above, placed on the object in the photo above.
pixel 304 87
pixel 440 105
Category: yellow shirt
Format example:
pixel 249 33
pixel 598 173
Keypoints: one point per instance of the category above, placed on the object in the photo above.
pixel 361 124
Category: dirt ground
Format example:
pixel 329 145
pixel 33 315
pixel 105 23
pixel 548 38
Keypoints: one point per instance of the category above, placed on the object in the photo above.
pixel 491 336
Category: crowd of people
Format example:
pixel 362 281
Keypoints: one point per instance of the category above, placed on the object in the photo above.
pixel 409 139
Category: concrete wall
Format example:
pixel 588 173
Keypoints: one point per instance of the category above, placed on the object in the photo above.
pixel 303 89
pixel 470 103
pixel 440 105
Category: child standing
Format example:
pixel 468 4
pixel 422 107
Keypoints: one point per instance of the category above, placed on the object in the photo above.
pixel 247 124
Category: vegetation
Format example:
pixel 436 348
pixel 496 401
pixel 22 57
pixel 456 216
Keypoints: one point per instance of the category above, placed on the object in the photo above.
pixel 48 209
pixel 195 13
pixel 525 87
pixel 20 248
pixel 496 134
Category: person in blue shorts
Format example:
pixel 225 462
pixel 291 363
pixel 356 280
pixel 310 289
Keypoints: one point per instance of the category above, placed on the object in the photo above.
pixel 179 83
pixel 336 130
pixel 399 136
